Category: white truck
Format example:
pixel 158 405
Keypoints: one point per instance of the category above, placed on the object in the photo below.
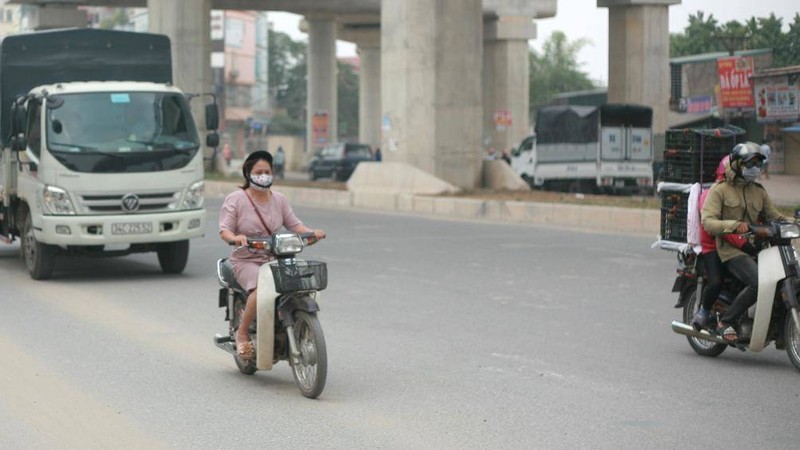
pixel 101 155
pixel 589 149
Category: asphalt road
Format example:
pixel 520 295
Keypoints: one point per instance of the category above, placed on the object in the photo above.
pixel 441 334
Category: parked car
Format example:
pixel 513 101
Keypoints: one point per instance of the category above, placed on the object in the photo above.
pixel 338 161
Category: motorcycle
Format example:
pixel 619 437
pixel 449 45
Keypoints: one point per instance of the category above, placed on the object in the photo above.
pixel 286 327
pixel 773 318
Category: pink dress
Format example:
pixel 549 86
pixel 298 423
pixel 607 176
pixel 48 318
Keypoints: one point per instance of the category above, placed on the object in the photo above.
pixel 239 217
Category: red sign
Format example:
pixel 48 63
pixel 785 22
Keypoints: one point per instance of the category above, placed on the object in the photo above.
pixel 502 119
pixel 734 81
pixel 319 128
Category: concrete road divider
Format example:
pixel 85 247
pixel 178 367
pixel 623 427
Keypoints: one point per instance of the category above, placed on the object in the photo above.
pixel 587 217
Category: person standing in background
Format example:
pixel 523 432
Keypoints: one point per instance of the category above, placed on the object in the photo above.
pixel 766 150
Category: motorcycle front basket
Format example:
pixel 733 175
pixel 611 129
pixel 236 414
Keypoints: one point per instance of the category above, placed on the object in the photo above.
pixel 301 276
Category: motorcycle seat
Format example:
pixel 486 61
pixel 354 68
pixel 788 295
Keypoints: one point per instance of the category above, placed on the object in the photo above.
pixel 225 274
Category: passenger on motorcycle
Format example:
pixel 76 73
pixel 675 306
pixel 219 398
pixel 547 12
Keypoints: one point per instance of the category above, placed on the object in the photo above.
pixel 731 207
pixel 707 253
pixel 254 210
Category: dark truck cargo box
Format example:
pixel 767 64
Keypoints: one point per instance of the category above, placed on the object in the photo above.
pixel 60 56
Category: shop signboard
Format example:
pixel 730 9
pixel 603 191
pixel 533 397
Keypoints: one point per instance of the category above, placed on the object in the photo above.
pixel 734 81
pixel 777 98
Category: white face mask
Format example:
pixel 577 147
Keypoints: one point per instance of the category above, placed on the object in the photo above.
pixel 751 174
pixel 261 182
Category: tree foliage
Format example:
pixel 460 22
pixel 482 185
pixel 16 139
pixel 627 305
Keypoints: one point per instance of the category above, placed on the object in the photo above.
pixel 705 35
pixel 287 81
pixel 556 70
pixel 287 85
pixel 347 110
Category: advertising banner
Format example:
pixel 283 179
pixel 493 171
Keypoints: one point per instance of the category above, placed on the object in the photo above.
pixel 777 98
pixel 734 81
pixel 319 128
pixel 502 119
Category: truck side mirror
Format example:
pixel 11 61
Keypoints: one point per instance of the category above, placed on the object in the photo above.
pixel 18 118
pixel 212 139
pixel 19 142
pixel 212 118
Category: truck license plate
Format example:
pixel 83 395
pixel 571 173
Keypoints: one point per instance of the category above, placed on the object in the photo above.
pixel 132 228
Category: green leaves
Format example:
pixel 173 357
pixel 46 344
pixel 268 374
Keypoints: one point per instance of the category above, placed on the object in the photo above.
pixel 706 35
pixel 556 69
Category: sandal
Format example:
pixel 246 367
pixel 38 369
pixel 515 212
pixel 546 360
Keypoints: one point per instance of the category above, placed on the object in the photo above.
pixel 727 333
pixel 244 350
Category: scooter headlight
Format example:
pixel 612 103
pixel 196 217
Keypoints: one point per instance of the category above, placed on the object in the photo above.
pixel 287 244
pixel 57 201
pixel 790 231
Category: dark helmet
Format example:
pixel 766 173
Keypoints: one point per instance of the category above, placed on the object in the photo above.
pixel 746 151
pixel 252 159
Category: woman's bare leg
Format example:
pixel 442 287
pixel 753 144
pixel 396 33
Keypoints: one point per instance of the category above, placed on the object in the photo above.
pixel 247 318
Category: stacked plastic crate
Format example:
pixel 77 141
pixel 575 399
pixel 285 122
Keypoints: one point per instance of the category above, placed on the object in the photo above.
pixel 691 156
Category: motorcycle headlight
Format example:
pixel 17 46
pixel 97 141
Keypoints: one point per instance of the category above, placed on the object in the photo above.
pixel 790 231
pixel 287 244
pixel 195 196
pixel 57 201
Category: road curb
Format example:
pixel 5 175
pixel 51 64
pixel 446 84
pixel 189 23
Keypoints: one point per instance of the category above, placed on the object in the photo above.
pixel 587 217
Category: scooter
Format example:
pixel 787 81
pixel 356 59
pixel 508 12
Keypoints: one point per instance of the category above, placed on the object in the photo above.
pixel 286 325
pixel 774 317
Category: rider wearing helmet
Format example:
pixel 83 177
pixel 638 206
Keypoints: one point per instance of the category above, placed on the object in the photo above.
pixel 731 206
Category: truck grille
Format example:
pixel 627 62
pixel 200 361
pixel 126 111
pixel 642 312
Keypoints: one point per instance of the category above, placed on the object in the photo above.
pixel 113 203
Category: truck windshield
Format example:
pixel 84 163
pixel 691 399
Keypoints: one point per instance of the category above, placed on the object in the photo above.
pixel 121 132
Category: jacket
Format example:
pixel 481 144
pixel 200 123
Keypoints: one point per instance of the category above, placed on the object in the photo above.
pixel 732 202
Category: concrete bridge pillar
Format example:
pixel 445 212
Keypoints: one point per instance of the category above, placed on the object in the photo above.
pixel 369 89
pixel 431 87
pixel 506 76
pixel 188 25
pixel 638 55
pixel 321 84
pixel 49 16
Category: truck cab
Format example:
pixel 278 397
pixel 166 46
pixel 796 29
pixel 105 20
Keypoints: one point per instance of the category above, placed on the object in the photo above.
pixel 102 168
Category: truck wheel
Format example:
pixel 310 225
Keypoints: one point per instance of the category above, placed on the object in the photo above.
pixel 39 258
pixel 172 256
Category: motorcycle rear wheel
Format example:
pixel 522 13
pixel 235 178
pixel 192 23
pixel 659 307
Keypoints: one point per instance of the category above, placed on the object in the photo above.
pixel 700 346
pixel 310 374
pixel 247 367
pixel 792 338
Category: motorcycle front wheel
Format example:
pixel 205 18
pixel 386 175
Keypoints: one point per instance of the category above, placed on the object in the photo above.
pixel 792 338
pixel 700 346
pixel 247 367
pixel 310 373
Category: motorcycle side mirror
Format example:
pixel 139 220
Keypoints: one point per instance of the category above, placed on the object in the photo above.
pixel 212 139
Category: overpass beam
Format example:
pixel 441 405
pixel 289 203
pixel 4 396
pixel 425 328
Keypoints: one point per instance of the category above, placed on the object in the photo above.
pixel 638 56
pixel 321 103
pixel 431 87
pixel 48 16
pixel 506 75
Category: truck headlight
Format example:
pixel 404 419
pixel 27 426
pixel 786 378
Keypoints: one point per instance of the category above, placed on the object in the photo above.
pixel 195 196
pixel 57 201
pixel 790 231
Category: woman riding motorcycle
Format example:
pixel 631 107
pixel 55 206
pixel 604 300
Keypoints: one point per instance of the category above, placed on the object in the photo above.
pixel 254 210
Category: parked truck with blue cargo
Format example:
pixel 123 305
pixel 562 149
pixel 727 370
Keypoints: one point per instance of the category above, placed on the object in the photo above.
pixel 101 155
pixel 589 149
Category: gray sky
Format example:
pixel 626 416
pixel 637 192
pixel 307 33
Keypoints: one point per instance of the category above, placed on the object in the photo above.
pixel 592 24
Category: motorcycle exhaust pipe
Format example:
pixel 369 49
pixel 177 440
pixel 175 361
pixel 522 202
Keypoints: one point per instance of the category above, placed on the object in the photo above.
pixel 687 330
